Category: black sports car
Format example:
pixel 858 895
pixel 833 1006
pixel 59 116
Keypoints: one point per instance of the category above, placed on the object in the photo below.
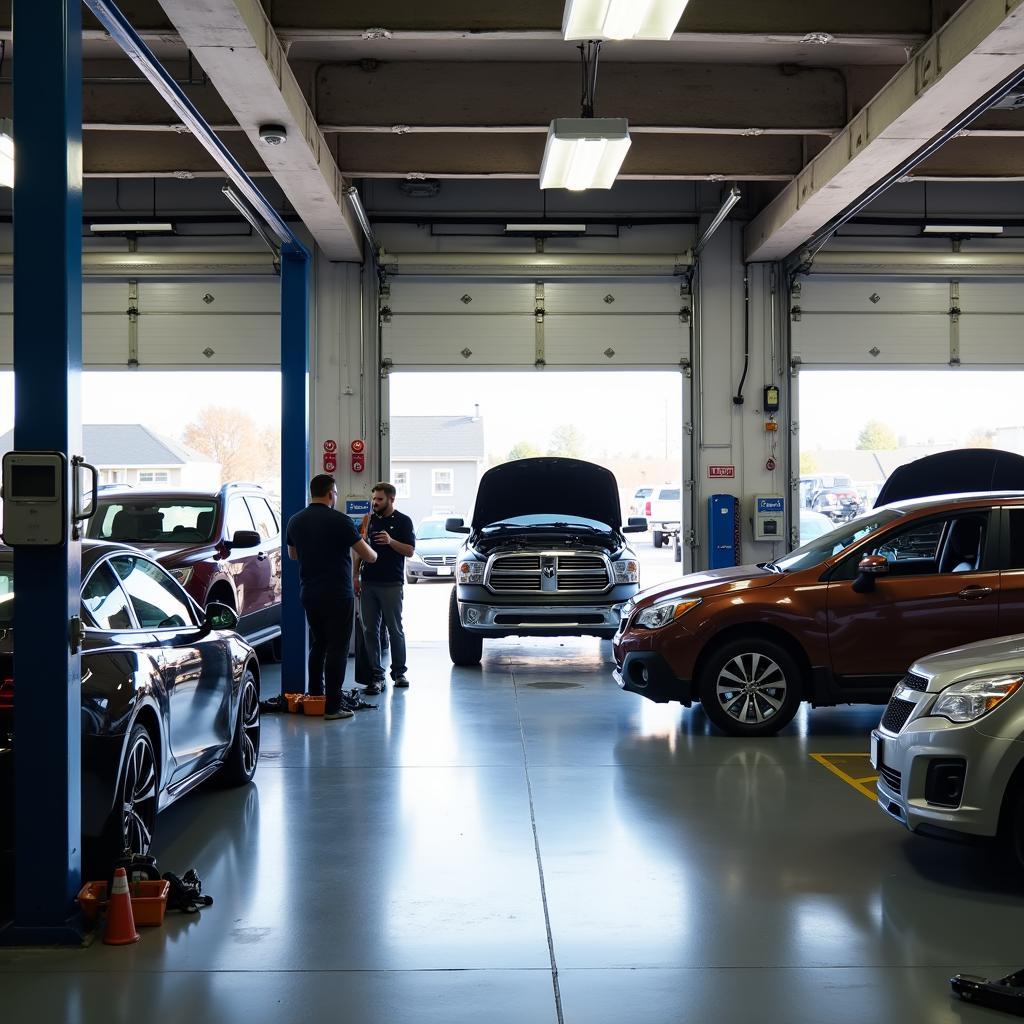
pixel 170 696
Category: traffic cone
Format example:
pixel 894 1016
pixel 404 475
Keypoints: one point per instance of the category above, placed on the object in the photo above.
pixel 120 929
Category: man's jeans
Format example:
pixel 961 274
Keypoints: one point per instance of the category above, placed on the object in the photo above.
pixel 330 628
pixel 383 601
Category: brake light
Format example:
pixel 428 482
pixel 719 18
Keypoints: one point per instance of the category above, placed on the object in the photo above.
pixel 7 694
pixel 647 508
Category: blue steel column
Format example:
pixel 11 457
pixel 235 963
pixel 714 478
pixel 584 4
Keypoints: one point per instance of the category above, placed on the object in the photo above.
pixel 294 450
pixel 47 390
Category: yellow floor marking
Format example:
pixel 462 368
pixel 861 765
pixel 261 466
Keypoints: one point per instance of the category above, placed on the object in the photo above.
pixel 828 761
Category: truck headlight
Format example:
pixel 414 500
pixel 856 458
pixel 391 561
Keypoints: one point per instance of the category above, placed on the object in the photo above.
pixel 471 572
pixel 664 612
pixel 627 571
pixel 965 702
pixel 184 574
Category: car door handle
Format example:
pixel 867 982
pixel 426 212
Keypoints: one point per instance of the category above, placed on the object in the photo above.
pixel 974 593
pixel 263 556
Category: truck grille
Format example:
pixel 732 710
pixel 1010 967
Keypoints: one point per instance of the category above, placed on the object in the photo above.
pixel 569 573
pixel 893 779
pixel 912 682
pixel 897 713
pixel 439 559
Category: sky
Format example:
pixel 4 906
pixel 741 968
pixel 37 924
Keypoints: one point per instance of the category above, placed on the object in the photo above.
pixel 617 413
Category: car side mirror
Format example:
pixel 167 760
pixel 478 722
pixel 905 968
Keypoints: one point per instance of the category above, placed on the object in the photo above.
pixel 636 524
pixel 245 539
pixel 219 616
pixel 869 569
pixel 455 526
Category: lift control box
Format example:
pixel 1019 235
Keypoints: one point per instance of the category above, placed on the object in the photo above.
pixel 769 517
pixel 36 509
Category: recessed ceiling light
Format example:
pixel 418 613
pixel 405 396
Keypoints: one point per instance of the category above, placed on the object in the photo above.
pixel 584 152
pixel 621 19
pixel 132 228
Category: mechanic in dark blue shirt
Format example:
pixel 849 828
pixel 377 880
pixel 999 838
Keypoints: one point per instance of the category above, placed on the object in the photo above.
pixel 321 539
pixel 380 586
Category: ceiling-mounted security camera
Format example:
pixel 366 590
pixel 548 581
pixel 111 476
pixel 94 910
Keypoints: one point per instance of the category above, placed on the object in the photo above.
pixel 273 134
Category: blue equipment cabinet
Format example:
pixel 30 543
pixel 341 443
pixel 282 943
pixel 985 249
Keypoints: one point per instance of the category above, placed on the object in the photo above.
pixel 723 531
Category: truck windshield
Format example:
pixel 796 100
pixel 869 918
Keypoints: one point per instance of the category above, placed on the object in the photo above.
pixel 828 544
pixel 551 521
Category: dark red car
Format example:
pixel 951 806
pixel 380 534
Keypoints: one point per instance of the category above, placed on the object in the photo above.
pixel 222 546
pixel 836 621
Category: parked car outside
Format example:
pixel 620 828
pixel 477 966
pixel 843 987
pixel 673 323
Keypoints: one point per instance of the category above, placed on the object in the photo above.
pixel 813 525
pixel 950 747
pixel 436 551
pixel 640 496
pixel 223 546
pixel 834 622
pixel 545 556
pixel 840 504
pixel 170 696
pixel 663 510
pixel 811 484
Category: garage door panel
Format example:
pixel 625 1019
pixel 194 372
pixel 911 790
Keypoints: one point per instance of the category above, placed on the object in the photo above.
pixel 104 340
pixel 233 340
pixel 655 340
pixel 498 340
pixel 991 338
pixel 873 295
pixel 109 297
pixel 612 297
pixel 992 296
pixel 215 297
pixel 836 338
pixel 465 297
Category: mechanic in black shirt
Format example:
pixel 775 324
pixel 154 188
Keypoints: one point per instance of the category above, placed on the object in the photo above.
pixel 380 587
pixel 320 539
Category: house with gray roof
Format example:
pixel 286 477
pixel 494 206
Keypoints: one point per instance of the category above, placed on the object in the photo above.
pixel 436 464
pixel 129 453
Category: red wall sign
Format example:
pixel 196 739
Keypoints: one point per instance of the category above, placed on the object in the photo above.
pixel 721 471
pixel 330 446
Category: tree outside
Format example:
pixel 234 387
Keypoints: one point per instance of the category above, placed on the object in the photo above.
pixel 522 450
pixel 232 438
pixel 567 442
pixel 808 464
pixel 877 437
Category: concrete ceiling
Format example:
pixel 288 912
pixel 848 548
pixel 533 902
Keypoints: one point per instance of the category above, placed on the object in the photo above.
pixel 747 90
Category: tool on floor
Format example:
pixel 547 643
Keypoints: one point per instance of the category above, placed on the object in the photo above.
pixel 186 892
pixel 120 930
pixel 1005 994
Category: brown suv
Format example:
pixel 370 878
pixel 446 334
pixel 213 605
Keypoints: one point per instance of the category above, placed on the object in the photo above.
pixel 837 621
pixel 222 545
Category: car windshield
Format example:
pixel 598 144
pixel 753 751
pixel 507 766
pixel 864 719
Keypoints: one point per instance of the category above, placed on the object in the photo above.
pixel 6 595
pixel 552 520
pixel 435 531
pixel 172 521
pixel 816 551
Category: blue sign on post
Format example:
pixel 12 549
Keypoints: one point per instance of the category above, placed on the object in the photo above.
pixel 771 506
pixel 356 508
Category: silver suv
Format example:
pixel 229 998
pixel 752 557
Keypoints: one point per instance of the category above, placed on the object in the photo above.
pixel 545 556
pixel 950 747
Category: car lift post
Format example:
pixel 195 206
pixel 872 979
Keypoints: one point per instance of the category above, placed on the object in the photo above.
pixel 47 405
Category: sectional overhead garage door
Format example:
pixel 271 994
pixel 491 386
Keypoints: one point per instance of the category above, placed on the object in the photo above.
pixel 890 322
pixel 467 323
pixel 182 323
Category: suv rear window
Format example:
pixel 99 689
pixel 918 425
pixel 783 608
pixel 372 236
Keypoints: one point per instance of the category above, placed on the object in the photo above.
pixel 6 595
pixel 669 494
pixel 154 522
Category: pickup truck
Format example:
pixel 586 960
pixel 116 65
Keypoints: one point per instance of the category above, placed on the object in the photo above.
pixel 664 511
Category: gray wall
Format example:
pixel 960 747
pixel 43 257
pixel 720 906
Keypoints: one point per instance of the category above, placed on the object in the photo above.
pixel 422 502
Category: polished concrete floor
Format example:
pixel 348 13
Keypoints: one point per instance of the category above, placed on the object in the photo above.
pixel 524 843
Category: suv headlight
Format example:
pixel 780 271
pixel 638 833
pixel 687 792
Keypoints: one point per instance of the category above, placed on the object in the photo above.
pixel 184 574
pixel 965 702
pixel 664 612
pixel 470 571
pixel 627 571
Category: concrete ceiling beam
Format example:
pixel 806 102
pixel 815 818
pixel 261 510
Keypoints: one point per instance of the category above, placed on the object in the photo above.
pixel 244 60
pixel 529 95
pixel 981 46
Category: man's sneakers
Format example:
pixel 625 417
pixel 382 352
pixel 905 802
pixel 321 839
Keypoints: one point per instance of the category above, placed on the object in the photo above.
pixel 340 713
pixel 373 689
pixel 401 682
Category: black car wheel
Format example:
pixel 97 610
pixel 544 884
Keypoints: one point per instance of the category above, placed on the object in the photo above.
pixel 464 648
pixel 657 537
pixel 750 688
pixel 244 753
pixel 134 815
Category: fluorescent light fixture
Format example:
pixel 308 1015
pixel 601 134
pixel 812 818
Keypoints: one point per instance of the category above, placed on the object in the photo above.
pixel 6 154
pixel 238 201
pixel 545 229
pixel 356 202
pixel 962 229
pixel 584 152
pixel 732 198
pixel 132 228
pixel 621 19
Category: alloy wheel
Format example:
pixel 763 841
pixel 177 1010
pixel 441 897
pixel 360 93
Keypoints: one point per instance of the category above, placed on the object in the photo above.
pixel 751 688
pixel 138 796
pixel 250 720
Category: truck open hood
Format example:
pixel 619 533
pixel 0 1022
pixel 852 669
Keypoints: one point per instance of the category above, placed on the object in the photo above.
pixel 556 487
